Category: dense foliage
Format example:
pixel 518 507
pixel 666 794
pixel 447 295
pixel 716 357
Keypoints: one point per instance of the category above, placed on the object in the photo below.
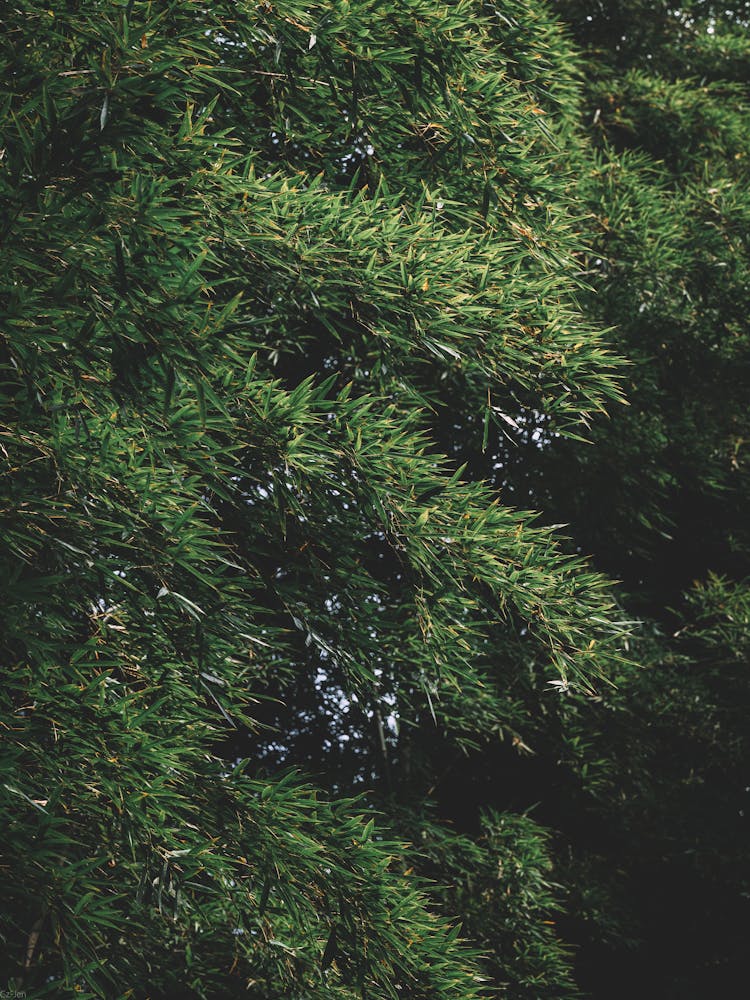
pixel 305 306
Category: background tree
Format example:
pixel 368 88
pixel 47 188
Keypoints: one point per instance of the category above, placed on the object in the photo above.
pixel 658 833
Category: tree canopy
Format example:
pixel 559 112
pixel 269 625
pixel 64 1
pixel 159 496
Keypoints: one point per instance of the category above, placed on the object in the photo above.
pixel 317 320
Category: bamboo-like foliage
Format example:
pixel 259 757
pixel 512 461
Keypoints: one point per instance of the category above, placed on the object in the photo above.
pixel 252 256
